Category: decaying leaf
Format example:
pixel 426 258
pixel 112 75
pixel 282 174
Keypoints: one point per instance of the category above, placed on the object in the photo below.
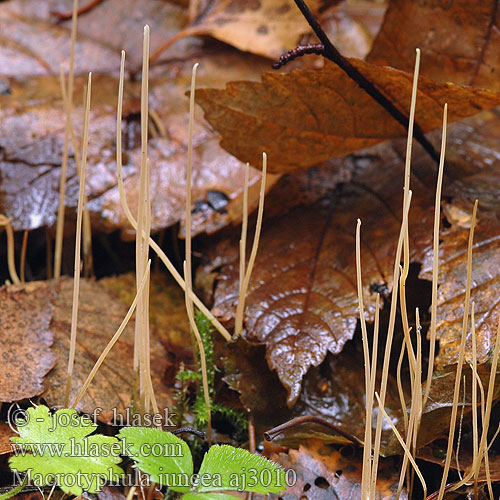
pixel 302 299
pixel 260 390
pixel 100 314
pixel 307 116
pixel 474 168
pixel 324 473
pixel 32 137
pixel 27 337
pixel 5 434
pixel 459 40
pixel 38 315
pixel 264 27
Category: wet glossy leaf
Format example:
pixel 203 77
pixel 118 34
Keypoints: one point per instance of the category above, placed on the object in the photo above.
pixel 307 116
pixel 459 40
pixel 302 300
pixel 27 338
pixel 31 144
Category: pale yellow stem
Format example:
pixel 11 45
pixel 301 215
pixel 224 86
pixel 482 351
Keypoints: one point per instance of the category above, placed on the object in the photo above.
pixel 5 221
pixel 240 309
pixel 78 243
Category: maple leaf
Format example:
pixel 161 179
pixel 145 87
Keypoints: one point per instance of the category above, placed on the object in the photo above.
pixel 59 448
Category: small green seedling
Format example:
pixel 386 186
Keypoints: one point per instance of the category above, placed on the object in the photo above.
pixel 58 448
pixel 168 461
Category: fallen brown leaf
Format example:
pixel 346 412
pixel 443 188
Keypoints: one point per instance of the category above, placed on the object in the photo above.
pixel 307 116
pixel 264 27
pixel 5 434
pixel 100 314
pixel 26 348
pixel 459 40
pixel 302 299
pixel 324 473
pixel 31 143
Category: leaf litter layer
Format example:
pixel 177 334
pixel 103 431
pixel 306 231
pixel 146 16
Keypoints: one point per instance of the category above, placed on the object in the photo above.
pixel 25 366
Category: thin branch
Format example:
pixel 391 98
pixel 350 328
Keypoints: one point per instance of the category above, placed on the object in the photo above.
pixel 331 53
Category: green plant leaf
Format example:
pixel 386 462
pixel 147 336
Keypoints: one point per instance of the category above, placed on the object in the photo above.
pixel 166 458
pixel 208 496
pixel 232 468
pixel 58 448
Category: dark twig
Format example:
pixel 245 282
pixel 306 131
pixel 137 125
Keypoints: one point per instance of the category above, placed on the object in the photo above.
pixel 63 16
pixel 331 53
pixel 301 50
pixel 275 431
pixel 189 430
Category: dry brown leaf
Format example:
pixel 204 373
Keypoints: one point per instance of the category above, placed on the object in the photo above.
pixel 307 116
pixel 264 27
pixel 302 299
pixel 460 41
pixel 27 337
pixel 31 143
pixel 324 473
pixel 99 315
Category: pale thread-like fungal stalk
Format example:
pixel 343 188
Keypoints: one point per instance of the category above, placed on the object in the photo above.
pixel 24 249
pixel 78 241
pixel 145 398
pixel 187 263
pixel 483 449
pixel 403 445
pixel 367 448
pixel 240 308
pixel 114 339
pixel 123 200
pixel 64 166
pixel 416 409
pixel 406 246
pixel 475 429
pixel 435 260
pixel 388 347
pixel 11 262
pixel 244 228
pixel 461 356
pixel 401 393
pixel 403 241
pixel 86 227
